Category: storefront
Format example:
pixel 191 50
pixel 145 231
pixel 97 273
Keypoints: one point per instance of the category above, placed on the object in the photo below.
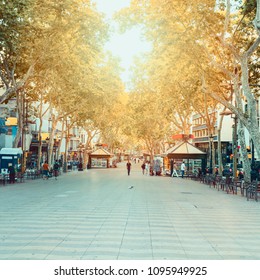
pixel 99 162
pixel 10 156
pixel 194 158
pixel 100 159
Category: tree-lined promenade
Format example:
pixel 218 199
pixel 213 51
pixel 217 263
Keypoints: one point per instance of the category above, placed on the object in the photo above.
pixel 94 215
pixel 205 56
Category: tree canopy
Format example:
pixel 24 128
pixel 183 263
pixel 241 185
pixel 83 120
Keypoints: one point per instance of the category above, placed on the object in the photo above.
pixel 203 52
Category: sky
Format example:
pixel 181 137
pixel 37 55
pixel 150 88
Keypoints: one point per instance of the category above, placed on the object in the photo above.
pixel 126 45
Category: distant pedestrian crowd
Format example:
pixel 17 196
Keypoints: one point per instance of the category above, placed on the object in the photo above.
pixel 147 168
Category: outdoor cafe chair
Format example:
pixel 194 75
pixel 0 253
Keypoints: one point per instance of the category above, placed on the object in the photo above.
pixel 222 183
pixel 20 177
pixel 4 178
pixel 238 184
pixel 229 187
pixel 218 181
pixel 253 191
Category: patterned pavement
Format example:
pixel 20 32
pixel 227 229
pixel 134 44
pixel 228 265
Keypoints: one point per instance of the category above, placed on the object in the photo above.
pixel 94 215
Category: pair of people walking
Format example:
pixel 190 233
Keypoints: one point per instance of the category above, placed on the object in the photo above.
pixel 174 170
pixel 46 170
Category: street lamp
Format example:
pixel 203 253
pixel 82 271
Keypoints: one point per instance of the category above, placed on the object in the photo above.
pixel 25 131
pixel 47 140
pixel 49 124
pixel 211 138
pixel 67 137
pixel 253 152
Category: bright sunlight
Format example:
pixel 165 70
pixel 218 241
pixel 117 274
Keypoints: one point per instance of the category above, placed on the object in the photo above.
pixel 125 46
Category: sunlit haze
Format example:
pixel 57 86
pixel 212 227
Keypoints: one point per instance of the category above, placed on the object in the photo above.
pixel 127 45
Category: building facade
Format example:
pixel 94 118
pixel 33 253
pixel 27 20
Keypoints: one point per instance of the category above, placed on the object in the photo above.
pixel 202 138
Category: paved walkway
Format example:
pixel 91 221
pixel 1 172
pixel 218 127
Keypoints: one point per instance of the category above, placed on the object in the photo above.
pixel 94 215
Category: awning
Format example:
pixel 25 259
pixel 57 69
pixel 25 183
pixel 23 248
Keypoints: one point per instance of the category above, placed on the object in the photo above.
pixel 11 151
pixel 185 150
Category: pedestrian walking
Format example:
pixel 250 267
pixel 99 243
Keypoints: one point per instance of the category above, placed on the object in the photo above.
pixel 11 171
pixel 56 168
pixel 128 167
pixel 45 170
pixel 199 173
pixel 183 167
pixel 80 166
pixel 143 167
pixel 147 168
pixel 151 170
pixel 174 171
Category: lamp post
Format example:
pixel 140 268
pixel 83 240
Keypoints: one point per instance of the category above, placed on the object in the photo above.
pixel 253 152
pixel 235 147
pixel 211 138
pixel 67 131
pixel 47 140
pixel 24 133
pixel 49 124
pixel 25 130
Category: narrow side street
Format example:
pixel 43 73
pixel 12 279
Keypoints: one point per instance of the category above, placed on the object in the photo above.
pixel 94 215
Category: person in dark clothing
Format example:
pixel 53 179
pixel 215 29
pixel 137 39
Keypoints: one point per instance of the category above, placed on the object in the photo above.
pixel 128 167
pixel 11 171
pixel 56 168
pixel 199 173
pixel 143 167
pixel 254 175
pixel 241 175
pixel 80 166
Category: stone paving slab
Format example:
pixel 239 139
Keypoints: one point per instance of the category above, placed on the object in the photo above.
pixel 94 215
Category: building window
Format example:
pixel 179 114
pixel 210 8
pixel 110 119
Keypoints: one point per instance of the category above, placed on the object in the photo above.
pixel 74 131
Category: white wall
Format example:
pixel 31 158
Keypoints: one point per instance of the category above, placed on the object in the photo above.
pixel 227 130
pixel 8 141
